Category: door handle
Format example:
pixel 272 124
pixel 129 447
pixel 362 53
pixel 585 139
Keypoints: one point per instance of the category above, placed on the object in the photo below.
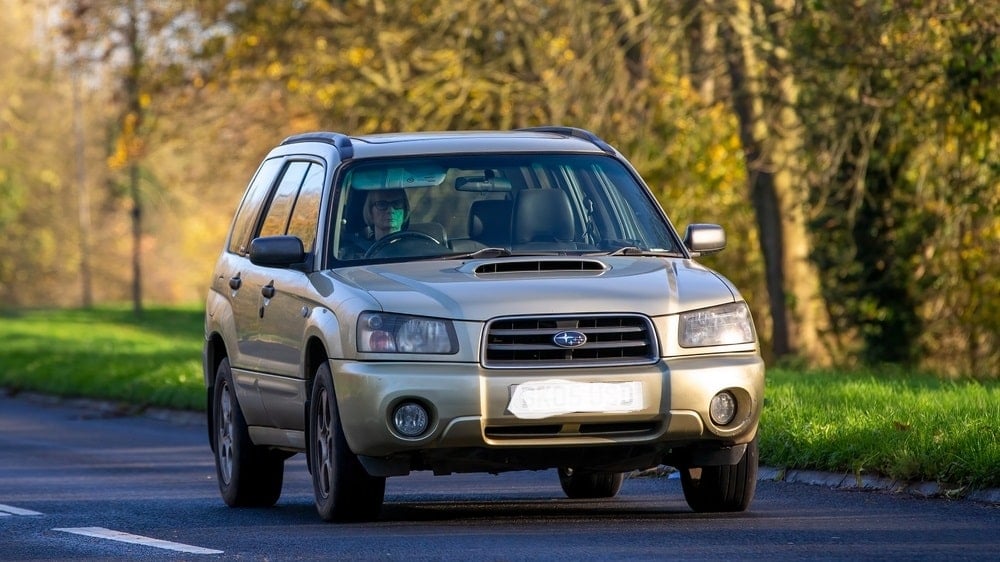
pixel 267 290
pixel 235 282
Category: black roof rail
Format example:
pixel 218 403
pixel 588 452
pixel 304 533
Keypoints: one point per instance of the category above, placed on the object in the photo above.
pixel 573 132
pixel 339 140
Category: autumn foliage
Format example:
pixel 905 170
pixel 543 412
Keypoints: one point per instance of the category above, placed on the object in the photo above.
pixel 850 149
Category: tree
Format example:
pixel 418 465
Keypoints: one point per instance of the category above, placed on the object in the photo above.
pixel 33 191
pixel 764 92
pixel 868 133
pixel 119 38
pixel 901 132
pixel 72 36
pixel 847 148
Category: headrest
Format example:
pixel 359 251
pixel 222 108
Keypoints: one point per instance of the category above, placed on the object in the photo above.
pixel 542 215
pixel 489 221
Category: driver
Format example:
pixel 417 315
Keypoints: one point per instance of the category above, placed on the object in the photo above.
pixel 386 211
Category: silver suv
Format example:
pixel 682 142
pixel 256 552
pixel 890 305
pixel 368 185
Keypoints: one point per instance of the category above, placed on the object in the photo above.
pixel 472 302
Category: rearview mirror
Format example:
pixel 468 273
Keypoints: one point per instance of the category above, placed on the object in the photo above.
pixel 486 183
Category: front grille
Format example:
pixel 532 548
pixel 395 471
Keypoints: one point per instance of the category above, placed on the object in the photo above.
pixel 530 342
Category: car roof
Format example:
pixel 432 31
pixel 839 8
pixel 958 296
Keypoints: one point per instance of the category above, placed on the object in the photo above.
pixel 552 139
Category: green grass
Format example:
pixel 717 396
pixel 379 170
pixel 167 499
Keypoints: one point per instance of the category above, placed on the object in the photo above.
pixel 906 427
pixel 903 427
pixel 106 353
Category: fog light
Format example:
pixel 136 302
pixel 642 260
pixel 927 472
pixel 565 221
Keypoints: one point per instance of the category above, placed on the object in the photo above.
pixel 410 419
pixel 723 408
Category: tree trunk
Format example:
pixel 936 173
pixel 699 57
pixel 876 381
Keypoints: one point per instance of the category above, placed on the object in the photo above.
pixel 132 130
pixel 701 32
pixel 764 95
pixel 83 195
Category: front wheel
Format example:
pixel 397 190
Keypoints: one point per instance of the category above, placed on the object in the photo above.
pixel 249 476
pixel 344 490
pixel 722 488
pixel 578 484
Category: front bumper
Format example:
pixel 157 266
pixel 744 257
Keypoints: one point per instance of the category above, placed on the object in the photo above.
pixel 468 408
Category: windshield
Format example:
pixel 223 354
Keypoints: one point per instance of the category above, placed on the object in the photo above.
pixel 522 203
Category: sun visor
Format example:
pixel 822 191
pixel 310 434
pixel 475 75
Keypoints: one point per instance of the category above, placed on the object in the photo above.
pixel 397 177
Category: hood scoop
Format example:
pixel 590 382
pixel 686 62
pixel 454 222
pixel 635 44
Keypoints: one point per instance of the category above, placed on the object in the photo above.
pixel 540 266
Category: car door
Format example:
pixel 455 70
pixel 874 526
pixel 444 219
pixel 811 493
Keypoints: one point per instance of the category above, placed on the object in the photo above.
pixel 287 294
pixel 236 274
pixel 237 281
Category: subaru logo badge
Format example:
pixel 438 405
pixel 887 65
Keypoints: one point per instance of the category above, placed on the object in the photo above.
pixel 569 339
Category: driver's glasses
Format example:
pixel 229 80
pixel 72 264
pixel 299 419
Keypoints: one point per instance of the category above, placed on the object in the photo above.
pixel 389 204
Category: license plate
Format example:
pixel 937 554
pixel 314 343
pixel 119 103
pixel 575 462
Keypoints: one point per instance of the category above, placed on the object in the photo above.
pixel 555 397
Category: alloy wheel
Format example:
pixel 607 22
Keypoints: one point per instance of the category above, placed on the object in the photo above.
pixel 224 443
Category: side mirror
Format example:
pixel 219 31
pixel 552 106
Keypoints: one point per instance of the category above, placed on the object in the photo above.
pixel 704 238
pixel 277 251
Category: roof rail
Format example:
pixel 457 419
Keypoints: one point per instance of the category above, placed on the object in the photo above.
pixel 341 141
pixel 573 132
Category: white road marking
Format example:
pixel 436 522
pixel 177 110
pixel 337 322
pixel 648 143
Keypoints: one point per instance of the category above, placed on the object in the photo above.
pixel 11 510
pixel 102 533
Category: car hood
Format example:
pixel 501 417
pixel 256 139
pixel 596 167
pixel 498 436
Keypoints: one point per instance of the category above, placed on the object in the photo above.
pixel 484 289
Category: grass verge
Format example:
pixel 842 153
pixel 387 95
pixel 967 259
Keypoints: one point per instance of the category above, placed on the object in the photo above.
pixel 904 427
pixel 108 353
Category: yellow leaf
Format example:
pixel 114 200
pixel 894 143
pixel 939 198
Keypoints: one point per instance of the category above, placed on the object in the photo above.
pixel 49 177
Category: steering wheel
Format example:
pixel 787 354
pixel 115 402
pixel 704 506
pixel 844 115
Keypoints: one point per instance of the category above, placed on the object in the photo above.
pixel 389 239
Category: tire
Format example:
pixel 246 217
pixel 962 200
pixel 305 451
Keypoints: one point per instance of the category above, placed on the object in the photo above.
pixel 579 484
pixel 249 476
pixel 726 488
pixel 344 491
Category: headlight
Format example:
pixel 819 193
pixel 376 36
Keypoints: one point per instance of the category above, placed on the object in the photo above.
pixel 721 325
pixel 380 332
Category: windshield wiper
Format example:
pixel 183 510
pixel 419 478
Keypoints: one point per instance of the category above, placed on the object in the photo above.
pixel 482 254
pixel 637 251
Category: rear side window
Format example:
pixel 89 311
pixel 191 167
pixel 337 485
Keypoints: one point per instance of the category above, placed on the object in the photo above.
pixel 256 195
pixel 305 215
pixel 280 209
pixel 294 208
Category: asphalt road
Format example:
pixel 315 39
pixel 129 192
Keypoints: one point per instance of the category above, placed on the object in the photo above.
pixel 80 484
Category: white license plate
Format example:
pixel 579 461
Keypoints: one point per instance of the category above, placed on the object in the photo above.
pixel 555 397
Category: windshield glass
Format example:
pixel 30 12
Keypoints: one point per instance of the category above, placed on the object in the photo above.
pixel 523 203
